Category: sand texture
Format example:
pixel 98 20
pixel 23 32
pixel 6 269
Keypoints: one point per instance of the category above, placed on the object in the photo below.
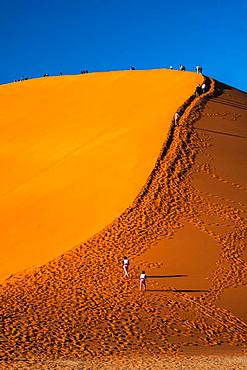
pixel 186 226
pixel 75 151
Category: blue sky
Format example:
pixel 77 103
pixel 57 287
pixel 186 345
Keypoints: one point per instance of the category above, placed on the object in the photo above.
pixel 50 36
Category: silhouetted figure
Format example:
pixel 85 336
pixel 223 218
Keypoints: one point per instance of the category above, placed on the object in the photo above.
pixel 61 73
pixel 132 68
pixel 182 67
pixel 198 90
pixel 198 69
pixel 45 75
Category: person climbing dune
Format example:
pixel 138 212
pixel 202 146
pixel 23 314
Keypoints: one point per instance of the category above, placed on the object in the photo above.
pixel 198 90
pixel 198 69
pixel 204 88
pixel 176 118
pixel 126 266
pixel 143 283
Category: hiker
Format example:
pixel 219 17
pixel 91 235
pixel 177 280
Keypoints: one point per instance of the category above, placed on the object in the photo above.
pixel 126 266
pixel 204 88
pixel 176 118
pixel 61 73
pixel 143 283
pixel 132 68
pixel 198 90
pixel 182 67
pixel 198 69
pixel 45 75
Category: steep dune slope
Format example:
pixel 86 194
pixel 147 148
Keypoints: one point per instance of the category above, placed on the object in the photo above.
pixel 209 247
pixel 186 228
pixel 75 151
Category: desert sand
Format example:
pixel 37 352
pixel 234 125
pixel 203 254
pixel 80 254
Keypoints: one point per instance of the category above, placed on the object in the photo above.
pixel 184 223
pixel 75 153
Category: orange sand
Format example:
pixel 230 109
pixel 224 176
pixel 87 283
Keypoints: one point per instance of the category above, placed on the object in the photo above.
pixel 78 311
pixel 75 152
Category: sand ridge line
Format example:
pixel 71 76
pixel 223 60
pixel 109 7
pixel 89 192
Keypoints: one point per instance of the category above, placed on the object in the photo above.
pixel 184 109
pixel 81 305
pixel 77 111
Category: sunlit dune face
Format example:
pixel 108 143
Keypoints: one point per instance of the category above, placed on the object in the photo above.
pixel 75 151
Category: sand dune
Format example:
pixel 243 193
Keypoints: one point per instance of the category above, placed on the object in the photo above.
pixel 187 228
pixel 75 151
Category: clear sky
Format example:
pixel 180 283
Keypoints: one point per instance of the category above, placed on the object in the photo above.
pixel 49 36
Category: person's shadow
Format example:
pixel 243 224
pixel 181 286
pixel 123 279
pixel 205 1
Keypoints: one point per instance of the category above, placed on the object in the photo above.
pixel 178 290
pixel 173 290
pixel 165 276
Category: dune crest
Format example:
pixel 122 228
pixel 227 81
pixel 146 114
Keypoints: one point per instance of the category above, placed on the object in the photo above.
pixel 75 152
pixel 80 307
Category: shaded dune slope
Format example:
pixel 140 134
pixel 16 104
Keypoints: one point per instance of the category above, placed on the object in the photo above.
pixel 75 151
pixel 81 306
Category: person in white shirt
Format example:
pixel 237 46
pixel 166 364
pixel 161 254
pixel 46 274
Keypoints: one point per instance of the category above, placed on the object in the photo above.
pixel 126 266
pixel 176 118
pixel 204 88
pixel 143 284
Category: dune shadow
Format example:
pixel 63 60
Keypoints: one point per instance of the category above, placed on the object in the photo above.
pixel 156 276
pixel 178 290
pixel 165 276
pixel 222 86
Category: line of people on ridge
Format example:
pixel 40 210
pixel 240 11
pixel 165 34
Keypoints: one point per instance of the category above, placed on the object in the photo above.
pixel 200 89
pixel 143 276
pixel 198 69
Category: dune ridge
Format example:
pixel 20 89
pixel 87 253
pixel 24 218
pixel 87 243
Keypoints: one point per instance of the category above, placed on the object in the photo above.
pixel 84 146
pixel 80 305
